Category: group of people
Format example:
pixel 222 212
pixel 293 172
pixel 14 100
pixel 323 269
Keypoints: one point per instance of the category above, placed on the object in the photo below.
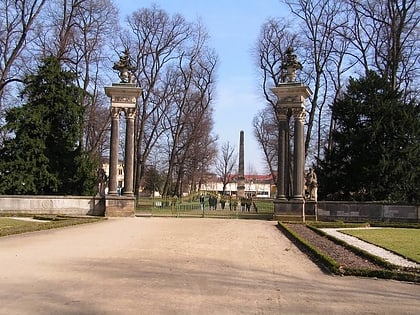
pixel 245 203
pixel 212 202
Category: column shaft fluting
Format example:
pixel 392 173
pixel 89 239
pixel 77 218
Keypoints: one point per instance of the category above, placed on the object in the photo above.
pixel 129 153
pixel 113 156
pixel 299 153
pixel 282 147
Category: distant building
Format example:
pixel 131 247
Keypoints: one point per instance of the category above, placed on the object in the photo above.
pixel 259 186
pixel 120 174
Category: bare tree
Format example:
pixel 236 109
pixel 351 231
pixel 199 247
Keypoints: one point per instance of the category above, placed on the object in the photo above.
pixel 198 140
pixel 225 163
pixel 155 41
pixel 382 36
pixel 176 72
pixel 320 22
pixel 18 28
pixel 95 22
pixel 338 39
pixel 385 38
pixel 266 132
pixel 205 151
pixel 191 108
pixel 274 39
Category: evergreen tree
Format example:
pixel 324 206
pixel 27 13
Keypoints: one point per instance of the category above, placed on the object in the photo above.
pixel 43 154
pixel 375 153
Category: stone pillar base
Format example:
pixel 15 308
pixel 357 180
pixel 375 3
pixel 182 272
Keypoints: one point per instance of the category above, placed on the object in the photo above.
pixel 240 191
pixel 311 210
pixel 119 206
pixel 289 210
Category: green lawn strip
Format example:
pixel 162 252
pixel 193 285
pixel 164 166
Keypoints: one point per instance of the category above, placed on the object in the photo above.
pixel 8 223
pixel 334 267
pixel 9 226
pixel 403 241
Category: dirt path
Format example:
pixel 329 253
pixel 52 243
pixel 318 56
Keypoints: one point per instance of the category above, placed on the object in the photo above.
pixel 181 266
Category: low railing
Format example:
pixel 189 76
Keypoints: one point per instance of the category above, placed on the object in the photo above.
pixel 260 209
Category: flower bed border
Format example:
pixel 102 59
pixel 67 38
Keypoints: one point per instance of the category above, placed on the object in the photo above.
pixel 388 271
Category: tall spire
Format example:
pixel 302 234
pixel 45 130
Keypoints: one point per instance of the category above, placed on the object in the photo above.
pixel 241 173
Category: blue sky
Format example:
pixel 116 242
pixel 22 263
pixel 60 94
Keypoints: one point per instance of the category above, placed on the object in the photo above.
pixel 233 27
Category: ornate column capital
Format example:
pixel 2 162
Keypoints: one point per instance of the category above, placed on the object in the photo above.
pixel 115 112
pixel 299 113
pixel 130 113
pixel 281 113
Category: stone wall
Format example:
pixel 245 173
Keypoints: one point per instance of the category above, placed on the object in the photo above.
pixel 356 211
pixel 66 205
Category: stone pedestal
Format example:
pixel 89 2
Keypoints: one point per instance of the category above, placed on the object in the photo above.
pixel 119 206
pixel 311 210
pixel 289 210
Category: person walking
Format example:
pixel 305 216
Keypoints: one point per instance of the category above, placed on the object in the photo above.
pixel 202 202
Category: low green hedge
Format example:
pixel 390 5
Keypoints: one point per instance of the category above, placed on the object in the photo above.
pixel 336 224
pixel 389 272
pixel 403 225
pixel 314 253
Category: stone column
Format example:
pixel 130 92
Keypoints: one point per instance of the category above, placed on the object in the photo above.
pixel 241 154
pixel 124 96
pixel 298 153
pixel 282 147
pixel 129 152
pixel 241 168
pixel 113 155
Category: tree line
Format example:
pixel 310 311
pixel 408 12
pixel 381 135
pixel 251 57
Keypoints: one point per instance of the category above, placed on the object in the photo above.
pixel 346 46
pixel 175 67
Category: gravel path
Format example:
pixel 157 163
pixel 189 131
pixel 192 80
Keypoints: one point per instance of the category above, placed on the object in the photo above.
pixel 181 266
pixel 373 249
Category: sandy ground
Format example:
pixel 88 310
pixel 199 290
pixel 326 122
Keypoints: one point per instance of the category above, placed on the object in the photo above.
pixel 181 266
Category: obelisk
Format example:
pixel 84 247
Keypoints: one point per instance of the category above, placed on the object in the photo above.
pixel 241 173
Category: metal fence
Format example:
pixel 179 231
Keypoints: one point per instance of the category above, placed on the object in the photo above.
pixel 260 209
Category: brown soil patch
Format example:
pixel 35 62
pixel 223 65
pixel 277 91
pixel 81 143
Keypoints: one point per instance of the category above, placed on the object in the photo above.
pixel 342 255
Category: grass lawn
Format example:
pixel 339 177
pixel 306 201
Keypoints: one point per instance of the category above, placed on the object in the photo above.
pixel 9 226
pixel 8 223
pixel 405 242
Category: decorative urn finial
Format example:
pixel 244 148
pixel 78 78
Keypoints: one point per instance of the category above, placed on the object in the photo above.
pixel 124 67
pixel 290 65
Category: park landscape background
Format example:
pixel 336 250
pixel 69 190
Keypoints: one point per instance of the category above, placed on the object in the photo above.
pixel 360 58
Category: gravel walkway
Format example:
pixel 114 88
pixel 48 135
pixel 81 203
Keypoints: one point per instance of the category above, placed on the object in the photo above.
pixel 373 249
pixel 181 266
